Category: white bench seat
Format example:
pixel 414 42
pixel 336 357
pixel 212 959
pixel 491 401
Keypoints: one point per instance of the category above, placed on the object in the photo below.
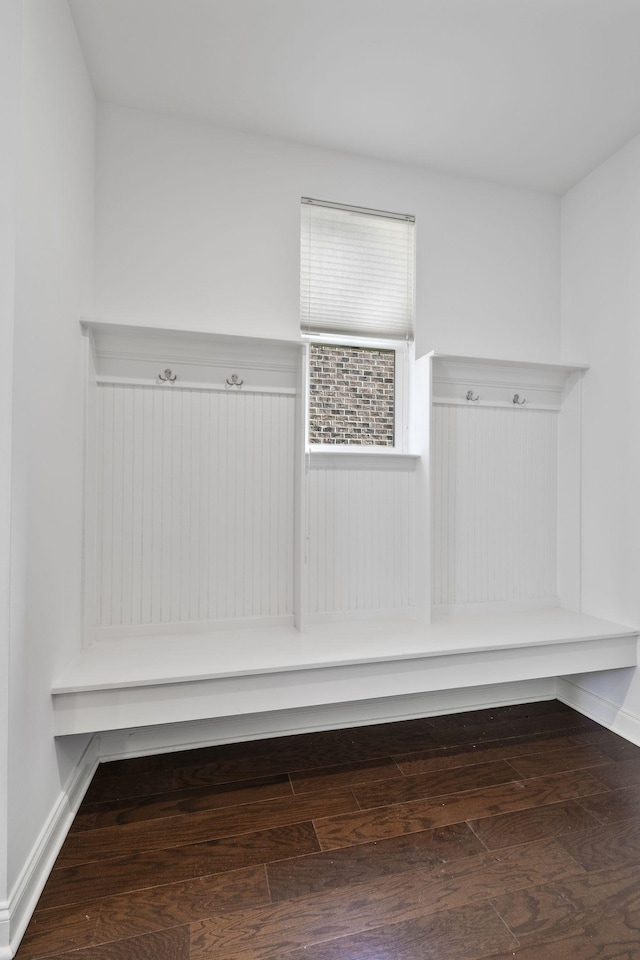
pixel 141 681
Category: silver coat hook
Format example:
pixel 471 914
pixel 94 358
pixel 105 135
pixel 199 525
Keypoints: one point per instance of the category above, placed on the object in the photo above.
pixel 516 399
pixel 168 378
pixel 234 381
pixel 470 396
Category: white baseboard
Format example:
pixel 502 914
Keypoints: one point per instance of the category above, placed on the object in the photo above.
pixel 608 714
pixel 16 912
pixel 6 949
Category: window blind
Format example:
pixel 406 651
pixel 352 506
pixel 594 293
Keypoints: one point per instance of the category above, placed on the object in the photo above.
pixel 356 271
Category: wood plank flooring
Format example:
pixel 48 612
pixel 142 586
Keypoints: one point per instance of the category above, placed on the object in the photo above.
pixel 494 834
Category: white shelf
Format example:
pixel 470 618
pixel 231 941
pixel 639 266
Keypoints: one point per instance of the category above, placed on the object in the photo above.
pixel 495 382
pixel 552 365
pixel 127 353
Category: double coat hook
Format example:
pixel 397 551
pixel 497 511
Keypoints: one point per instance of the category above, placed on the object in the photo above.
pixel 473 398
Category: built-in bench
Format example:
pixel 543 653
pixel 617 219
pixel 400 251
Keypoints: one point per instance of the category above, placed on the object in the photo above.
pixel 143 681
pixel 206 504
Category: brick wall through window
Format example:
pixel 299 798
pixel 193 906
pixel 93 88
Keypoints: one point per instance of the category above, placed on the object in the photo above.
pixel 351 395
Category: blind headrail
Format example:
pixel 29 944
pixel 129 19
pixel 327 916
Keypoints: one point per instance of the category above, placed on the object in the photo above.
pixel 407 217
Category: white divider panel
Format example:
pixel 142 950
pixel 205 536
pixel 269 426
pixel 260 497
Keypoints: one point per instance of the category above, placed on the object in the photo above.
pixel 194 505
pixel 494 504
pixel 361 537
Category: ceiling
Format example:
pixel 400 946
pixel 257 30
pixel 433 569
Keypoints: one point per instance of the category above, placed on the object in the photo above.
pixel 533 93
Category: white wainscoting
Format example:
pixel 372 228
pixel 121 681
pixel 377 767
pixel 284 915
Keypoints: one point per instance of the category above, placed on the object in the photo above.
pixel 494 505
pixel 360 528
pixel 194 517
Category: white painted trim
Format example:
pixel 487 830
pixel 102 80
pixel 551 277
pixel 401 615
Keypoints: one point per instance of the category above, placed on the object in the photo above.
pixel 16 912
pixel 7 949
pixel 196 360
pixel 301 504
pixel 191 385
pixel 420 442
pixel 169 738
pixel 89 487
pixel 580 489
pixel 346 458
pixel 507 405
pixel 605 712
pixel 550 367
pixel 119 341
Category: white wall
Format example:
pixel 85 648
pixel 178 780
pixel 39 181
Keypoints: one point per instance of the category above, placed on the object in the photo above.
pixel 199 226
pixel 53 280
pixel 600 324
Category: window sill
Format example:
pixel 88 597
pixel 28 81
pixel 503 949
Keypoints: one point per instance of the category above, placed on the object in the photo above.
pixel 383 458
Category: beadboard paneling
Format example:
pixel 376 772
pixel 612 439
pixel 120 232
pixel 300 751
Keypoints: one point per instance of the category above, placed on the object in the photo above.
pixel 194 512
pixel 360 538
pixel 494 505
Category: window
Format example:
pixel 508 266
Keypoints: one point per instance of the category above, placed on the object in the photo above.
pixel 351 395
pixel 357 283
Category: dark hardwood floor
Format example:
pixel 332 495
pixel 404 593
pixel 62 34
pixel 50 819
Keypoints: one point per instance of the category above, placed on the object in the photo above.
pixel 496 834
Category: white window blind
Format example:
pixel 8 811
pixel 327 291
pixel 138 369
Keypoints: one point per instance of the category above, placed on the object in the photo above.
pixel 356 271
